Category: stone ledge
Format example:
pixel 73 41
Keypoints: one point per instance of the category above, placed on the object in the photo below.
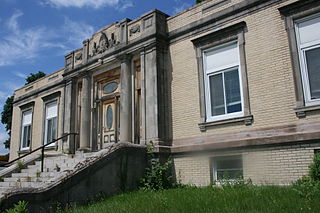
pixel 247 120
pixel 301 111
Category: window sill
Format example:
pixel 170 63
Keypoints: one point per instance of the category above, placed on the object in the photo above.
pixel 301 111
pixel 24 151
pixel 247 120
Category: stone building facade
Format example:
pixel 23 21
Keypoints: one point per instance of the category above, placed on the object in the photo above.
pixel 229 88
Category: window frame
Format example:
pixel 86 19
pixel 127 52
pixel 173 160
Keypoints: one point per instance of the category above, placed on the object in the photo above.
pixel 214 170
pixel 292 13
pixel 207 74
pixel 22 129
pixel 302 59
pixel 222 36
pixel 46 121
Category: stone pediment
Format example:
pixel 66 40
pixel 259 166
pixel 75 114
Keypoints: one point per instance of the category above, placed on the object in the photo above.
pixel 104 44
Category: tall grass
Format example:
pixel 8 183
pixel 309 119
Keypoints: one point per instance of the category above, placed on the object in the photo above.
pixel 244 199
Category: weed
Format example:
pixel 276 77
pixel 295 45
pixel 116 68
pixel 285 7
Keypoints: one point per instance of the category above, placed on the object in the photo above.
pixel 20 207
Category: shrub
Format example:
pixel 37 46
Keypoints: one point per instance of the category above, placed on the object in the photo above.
pixel 21 207
pixel 314 168
pixel 156 176
pixel 309 186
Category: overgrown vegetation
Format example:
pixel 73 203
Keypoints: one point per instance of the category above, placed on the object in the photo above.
pixel 20 207
pixel 237 198
pixel 157 176
pixel 309 186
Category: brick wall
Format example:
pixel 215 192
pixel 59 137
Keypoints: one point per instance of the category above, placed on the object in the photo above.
pixel 276 165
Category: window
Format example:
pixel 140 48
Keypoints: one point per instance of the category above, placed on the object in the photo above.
pixel 51 122
pixel 308 43
pixel 223 92
pixel 227 168
pixel 26 130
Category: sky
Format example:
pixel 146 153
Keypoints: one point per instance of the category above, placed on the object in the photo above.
pixel 36 34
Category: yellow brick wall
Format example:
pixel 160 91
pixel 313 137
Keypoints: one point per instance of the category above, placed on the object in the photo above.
pixel 269 71
pixel 275 166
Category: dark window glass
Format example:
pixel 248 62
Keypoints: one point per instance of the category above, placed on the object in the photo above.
pixel 232 88
pixel 217 95
pixel 110 87
pixel 109 117
pixel 313 63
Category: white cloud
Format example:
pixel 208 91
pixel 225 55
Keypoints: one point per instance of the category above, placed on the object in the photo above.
pixel 77 32
pixel 117 4
pixel 2 95
pixel 3 136
pixel 181 6
pixel 25 44
pixel 20 75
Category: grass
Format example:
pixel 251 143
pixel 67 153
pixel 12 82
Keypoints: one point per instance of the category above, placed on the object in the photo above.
pixel 242 199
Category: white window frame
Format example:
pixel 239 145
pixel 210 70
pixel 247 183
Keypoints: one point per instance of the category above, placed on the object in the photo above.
pixel 215 170
pixel 45 139
pixel 23 128
pixel 215 71
pixel 302 48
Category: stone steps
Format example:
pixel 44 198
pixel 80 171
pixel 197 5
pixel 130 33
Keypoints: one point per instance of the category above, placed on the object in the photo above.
pixel 31 177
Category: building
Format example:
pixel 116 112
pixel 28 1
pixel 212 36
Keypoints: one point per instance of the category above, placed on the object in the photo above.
pixel 227 86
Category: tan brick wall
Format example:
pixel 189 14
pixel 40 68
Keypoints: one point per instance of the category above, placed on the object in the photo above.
pixel 270 78
pixel 275 166
pixel 195 13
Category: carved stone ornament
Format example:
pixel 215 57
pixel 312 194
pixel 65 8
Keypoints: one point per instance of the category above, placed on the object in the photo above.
pixel 135 29
pixel 104 44
pixel 79 56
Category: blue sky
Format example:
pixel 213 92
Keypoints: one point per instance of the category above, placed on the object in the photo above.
pixel 36 34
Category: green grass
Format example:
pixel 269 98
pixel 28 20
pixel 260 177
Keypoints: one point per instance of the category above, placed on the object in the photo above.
pixel 244 199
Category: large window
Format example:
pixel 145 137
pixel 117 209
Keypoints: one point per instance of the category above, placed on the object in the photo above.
pixel 51 122
pixel 26 130
pixel 308 42
pixel 227 168
pixel 223 82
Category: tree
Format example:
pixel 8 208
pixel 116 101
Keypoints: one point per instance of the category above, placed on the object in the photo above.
pixel 6 114
pixel 34 76
pixel 199 1
pixel 6 118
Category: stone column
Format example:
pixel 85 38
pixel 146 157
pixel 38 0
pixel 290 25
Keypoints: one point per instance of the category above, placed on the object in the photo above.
pixel 125 100
pixel 85 114
pixel 69 115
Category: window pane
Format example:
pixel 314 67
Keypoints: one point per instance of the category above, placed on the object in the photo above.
pixel 229 164
pixel 217 95
pixel 25 136
pixel 229 175
pixel 54 129
pixel 49 131
pixel 109 117
pixel 232 87
pixel 313 63
pixel 29 136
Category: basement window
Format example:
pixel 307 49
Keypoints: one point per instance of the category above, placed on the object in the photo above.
pixel 227 168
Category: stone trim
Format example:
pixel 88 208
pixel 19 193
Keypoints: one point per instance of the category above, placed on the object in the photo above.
pixel 234 32
pixel 247 120
pixel 213 20
pixel 301 112
pixel 215 5
pixel 291 13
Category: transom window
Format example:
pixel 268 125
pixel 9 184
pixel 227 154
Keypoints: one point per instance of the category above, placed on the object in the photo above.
pixel 223 82
pixel 26 129
pixel 51 122
pixel 227 168
pixel 308 43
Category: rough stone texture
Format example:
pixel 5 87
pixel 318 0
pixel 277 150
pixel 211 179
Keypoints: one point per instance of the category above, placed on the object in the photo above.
pixel 112 173
pixel 270 165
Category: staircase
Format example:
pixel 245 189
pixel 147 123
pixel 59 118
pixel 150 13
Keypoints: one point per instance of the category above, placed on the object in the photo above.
pixel 32 177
